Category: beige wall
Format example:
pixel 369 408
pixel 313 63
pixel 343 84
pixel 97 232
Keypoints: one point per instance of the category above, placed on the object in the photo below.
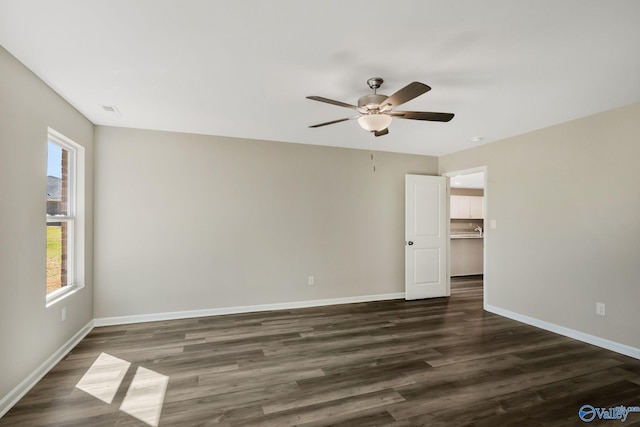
pixel 187 222
pixel 29 332
pixel 568 223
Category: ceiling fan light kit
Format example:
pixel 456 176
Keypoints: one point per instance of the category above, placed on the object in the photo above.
pixel 374 122
pixel 376 110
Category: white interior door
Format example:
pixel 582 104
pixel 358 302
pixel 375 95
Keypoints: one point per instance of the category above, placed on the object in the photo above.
pixel 426 237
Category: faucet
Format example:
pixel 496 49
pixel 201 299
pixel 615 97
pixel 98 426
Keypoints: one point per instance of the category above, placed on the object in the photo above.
pixel 478 229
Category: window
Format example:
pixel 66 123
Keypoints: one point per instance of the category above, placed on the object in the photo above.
pixel 63 158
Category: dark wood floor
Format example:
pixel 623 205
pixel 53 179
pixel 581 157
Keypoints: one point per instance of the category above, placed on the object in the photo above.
pixel 439 362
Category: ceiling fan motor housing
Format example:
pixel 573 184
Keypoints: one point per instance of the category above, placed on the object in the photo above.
pixel 371 102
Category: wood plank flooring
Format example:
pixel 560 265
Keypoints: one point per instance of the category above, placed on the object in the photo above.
pixel 439 362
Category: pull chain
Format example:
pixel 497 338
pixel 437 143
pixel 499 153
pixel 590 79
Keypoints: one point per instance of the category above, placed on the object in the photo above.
pixel 373 160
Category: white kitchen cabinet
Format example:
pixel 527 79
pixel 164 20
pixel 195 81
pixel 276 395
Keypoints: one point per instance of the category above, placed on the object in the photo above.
pixel 467 207
pixel 459 207
pixel 476 207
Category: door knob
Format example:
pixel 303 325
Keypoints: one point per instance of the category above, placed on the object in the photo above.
pixel 409 243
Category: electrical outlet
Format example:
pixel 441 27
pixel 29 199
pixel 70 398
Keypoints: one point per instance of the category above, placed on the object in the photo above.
pixel 311 280
pixel 63 315
pixel 600 309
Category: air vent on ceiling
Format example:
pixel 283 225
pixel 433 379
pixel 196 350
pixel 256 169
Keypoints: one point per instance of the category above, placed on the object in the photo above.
pixel 111 109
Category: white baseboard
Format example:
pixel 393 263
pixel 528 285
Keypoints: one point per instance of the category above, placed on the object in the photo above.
pixel 571 333
pixel 122 320
pixel 27 384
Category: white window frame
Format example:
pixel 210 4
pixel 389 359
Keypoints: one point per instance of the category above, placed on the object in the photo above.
pixel 74 218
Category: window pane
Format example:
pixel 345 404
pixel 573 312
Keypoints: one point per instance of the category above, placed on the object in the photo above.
pixel 62 155
pixel 57 180
pixel 56 255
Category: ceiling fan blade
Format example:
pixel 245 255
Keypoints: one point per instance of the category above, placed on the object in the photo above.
pixel 407 93
pixel 332 122
pixel 381 132
pixel 422 115
pixel 331 101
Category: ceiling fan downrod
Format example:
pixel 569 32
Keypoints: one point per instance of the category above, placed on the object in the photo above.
pixel 371 103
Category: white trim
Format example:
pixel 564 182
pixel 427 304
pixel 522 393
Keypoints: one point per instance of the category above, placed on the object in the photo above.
pixel 571 333
pixel 486 236
pixel 155 317
pixel 59 218
pixel 75 217
pixel 62 293
pixel 27 384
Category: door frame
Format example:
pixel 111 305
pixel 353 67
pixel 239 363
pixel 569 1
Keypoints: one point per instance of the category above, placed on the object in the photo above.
pixel 487 236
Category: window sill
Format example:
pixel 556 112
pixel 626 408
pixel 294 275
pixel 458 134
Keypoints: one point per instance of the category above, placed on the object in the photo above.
pixel 62 293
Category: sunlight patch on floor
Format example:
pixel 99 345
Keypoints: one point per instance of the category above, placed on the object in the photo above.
pixel 103 378
pixel 145 396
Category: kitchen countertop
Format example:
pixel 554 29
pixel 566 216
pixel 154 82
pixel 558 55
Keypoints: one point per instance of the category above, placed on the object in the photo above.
pixel 467 236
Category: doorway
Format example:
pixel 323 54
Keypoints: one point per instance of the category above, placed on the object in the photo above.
pixel 468 222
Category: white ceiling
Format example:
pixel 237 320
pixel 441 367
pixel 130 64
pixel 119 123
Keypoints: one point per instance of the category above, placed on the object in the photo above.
pixel 243 68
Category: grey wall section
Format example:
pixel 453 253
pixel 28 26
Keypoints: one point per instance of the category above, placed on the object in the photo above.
pixel 29 332
pixel 568 222
pixel 187 222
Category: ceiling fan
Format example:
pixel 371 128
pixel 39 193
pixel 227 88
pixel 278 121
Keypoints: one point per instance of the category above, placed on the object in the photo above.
pixel 376 110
